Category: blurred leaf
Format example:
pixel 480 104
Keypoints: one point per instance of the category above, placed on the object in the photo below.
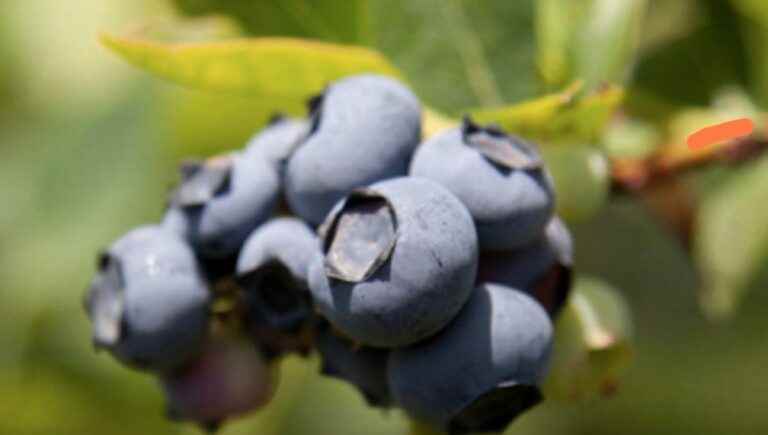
pixel 688 70
pixel 666 21
pixel 591 40
pixel 592 342
pixel 419 428
pixel 196 130
pixel 582 180
pixel 205 29
pixel 45 405
pixel 433 122
pixel 754 15
pixel 555 22
pixel 460 53
pixel 566 117
pixel 274 67
pixel 731 242
pixel 630 138
pixel 326 405
pixel 606 47
pixel 192 128
pixel 330 20
pixel 754 9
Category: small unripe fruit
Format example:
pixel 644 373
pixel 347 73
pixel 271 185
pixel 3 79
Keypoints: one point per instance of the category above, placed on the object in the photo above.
pixel 228 379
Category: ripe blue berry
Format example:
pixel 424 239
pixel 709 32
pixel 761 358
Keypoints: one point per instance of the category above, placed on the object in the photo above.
pixel 541 268
pixel 148 302
pixel 364 129
pixel 399 262
pixel 272 269
pixel 363 367
pixel 483 370
pixel 277 141
pixel 500 178
pixel 228 379
pixel 222 200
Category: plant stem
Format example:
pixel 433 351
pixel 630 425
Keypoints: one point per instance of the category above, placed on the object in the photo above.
pixel 657 180
pixel 636 175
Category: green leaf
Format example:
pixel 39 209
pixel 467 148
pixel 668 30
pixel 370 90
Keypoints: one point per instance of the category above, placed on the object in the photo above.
pixel 196 130
pixel 731 242
pixel 565 117
pixel 434 122
pixel 754 15
pixel 606 46
pixel 556 21
pixel 330 20
pixel 690 68
pixel 755 9
pixel 582 180
pixel 592 342
pixel 590 40
pixel 631 138
pixel 419 428
pixel 460 53
pixel 274 67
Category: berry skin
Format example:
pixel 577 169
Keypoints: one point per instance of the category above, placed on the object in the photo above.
pixel 228 379
pixel 272 269
pixel 277 141
pixel 148 302
pixel 221 201
pixel 500 178
pixel 364 129
pixel 175 221
pixel 399 262
pixel 483 370
pixel 363 367
pixel 541 268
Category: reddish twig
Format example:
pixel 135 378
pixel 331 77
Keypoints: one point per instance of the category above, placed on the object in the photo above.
pixel 656 180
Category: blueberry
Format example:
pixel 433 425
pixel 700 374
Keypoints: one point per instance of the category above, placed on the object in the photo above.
pixel 363 367
pixel 500 178
pixel 228 379
pixel 222 200
pixel 364 129
pixel 148 302
pixel 542 268
pixel 272 269
pixel 400 259
pixel 277 141
pixel 483 370
pixel 175 221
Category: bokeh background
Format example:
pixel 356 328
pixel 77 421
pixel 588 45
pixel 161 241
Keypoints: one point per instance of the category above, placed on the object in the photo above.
pixel 88 147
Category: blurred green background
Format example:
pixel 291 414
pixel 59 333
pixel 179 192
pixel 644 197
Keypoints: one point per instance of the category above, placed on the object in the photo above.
pixel 88 147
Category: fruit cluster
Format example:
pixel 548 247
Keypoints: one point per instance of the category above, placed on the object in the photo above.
pixel 425 274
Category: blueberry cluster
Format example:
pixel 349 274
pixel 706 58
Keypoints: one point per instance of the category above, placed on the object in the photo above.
pixel 425 274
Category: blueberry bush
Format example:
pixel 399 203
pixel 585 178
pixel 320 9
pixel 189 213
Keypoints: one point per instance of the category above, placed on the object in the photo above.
pixel 392 217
